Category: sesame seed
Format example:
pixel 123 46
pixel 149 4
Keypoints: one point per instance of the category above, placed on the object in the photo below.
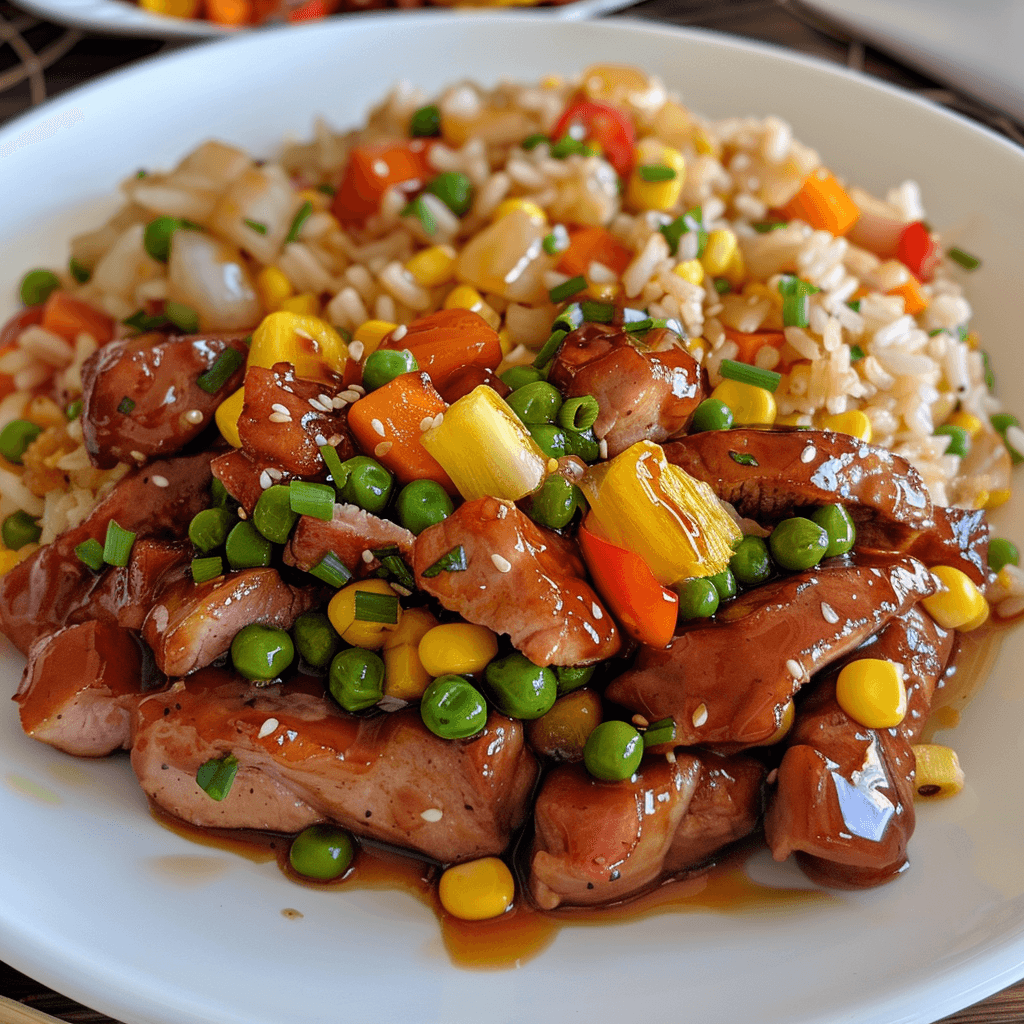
pixel 283 409
pixel 828 613
pixel 267 728
pixel 794 668
pixel 439 419
pixel 160 481
pixel 358 388
pixel 320 440
pixel 772 776
pixel 318 405
pixel 400 331
pixel 265 480
pixel 432 814
pixel 378 427
pixel 334 440
pixel 383 448
pixel 602 447
pixel 368 556
pixel 338 402
pixel 640 722
pixel 596 609
pixel 700 715
pixel 356 350
pixel 325 399
pixel 242 514
pixel 350 396
pixel 501 564
pixel 807 455
pixel 399 589
pixel 279 417
pixel 426 423
pixel 670 756
pixel 275 473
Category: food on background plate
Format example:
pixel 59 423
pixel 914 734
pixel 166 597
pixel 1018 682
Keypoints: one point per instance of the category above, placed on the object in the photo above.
pixel 546 462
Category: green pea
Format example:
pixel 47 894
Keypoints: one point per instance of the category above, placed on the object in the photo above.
pixel 698 598
pixel 367 484
pixel 422 503
pixel 15 439
pixel 725 583
pixel 37 286
pixel 261 652
pixel 453 708
pixel 74 410
pixel 247 548
pixel 711 414
pixel 157 238
pixel 959 439
pixel 1001 422
pixel 836 522
pixel 210 528
pixel 356 678
pixel 219 494
pixel 518 376
pixel 316 640
pixel 384 365
pixel 552 441
pixel 613 752
pixel 323 852
pixel 273 515
pixel 425 122
pixel 19 529
pixel 798 543
pixel 521 689
pixel 538 402
pixel 1001 552
pixel 572 677
pixel 750 563
pixel 583 444
pixel 555 503
pixel 454 189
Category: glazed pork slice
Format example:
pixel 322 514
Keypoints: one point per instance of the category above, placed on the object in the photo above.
pixel 518 579
pixel 843 797
pixel 782 471
pixel 958 538
pixel 302 760
pixel 350 532
pixel 645 391
pixel 192 624
pixel 80 686
pixel 142 399
pixel 726 682
pixel 156 501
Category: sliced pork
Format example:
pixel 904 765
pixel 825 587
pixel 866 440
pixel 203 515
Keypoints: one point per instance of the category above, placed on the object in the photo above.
pixel 351 532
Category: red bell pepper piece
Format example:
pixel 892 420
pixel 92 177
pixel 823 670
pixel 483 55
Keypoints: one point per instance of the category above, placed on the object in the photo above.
pixel 918 251
pixel 645 609
pixel 604 125
pixel 372 170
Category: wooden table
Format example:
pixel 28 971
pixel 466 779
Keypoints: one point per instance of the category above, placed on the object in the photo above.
pixel 43 60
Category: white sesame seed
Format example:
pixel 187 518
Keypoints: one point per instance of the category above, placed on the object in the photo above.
pixel 596 610
pixel 334 440
pixel 350 396
pixel 283 409
pixel 267 728
pixel 399 332
pixel 194 416
pixel 325 399
pixel 807 455
pixel 828 613
pixel 602 448
pixel 320 440
pixel 279 417
pixel 316 404
pixel 338 402
pixel 670 756
pixel 426 423
pixel 265 480
pixel 160 481
pixel 368 556
pixel 700 715
pixel 772 776
pixel 242 514
pixel 275 473
pixel 399 589
pixel 383 448
pixel 439 419
pixel 356 350
pixel 501 564
pixel 640 722
pixel 378 427
pixel 794 668
pixel 432 814
pixel 359 389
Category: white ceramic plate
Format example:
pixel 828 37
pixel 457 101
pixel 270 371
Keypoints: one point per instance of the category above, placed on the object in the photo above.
pixel 93 896
pixel 121 17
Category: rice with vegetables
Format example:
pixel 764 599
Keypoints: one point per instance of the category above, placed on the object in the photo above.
pixel 585 235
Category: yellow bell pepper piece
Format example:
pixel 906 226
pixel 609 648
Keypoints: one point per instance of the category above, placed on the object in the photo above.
pixel 871 692
pixel 310 344
pixel 227 417
pixel 460 648
pixel 477 890
pixel 359 632
pixel 960 604
pixel 672 521
pixel 938 771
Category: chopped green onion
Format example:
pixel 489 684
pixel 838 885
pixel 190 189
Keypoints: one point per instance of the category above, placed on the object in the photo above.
pixel 118 544
pixel 425 123
pixel 300 218
pixel 125 406
pixel 327 190
pixel 159 232
pixel 655 172
pixel 376 607
pixel 579 413
pixel 183 317
pixel 722 286
pixel 557 241
pixel 743 459
pixel 220 373
pixel 764 226
pixel 550 349
pixel 598 312
pixel 144 323
pixel 936 331
pixel 332 460
pixel 567 289
pixel 856 353
pixel 393 567
pixel 37 286
pixel 219 494
pixel 534 140
pixel 965 259
pixel 569 319
pixel 744 373
pixel 419 209
pixel 142 174
pixel 568 146
pixel 312 499
pixel 795 294
pixel 215 777
pixel 692 220
pixel 331 569
pixel 451 561
pixel 662 731
pixel 855 305
pixel 990 374
pixel 78 270
pixel 204 569
pixel 74 410
pixel 255 225
pixel 91 553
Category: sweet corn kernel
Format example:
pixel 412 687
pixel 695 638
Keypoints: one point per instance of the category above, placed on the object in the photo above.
pixel 528 206
pixel 993 499
pixel 310 344
pixel 358 632
pixel 477 890
pixel 306 304
pixel 432 267
pixel 791 419
pixel 736 270
pixel 460 648
pixel 959 603
pixel 414 624
pixel 655 195
pixel 171 8
pixel 721 248
pixel 704 144
pixel 371 333
pixel 8 560
pixel 750 405
pixel 465 296
pixel 690 270
pixel 871 692
pixel 227 415
pixel 273 287
pixel 404 675
pixel 855 423
pixel 603 292
pixel 979 620
pixel 966 421
pixel 506 342
pixel 938 771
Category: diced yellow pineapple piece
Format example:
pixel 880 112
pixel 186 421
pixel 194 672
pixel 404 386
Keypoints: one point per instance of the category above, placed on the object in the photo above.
pixel 310 344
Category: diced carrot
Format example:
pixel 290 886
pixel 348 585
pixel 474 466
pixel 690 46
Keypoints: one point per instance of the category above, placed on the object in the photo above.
pixel 230 12
pixel 823 203
pixel 313 10
pixel 389 422
pixel 593 245
pixel 914 300
pixel 69 317
pixel 446 341
pixel 750 343
pixel 372 170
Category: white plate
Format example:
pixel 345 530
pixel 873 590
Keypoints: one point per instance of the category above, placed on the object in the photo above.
pixel 123 18
pixel 91 898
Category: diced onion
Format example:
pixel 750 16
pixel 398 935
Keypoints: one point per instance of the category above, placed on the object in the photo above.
pixel 211 278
